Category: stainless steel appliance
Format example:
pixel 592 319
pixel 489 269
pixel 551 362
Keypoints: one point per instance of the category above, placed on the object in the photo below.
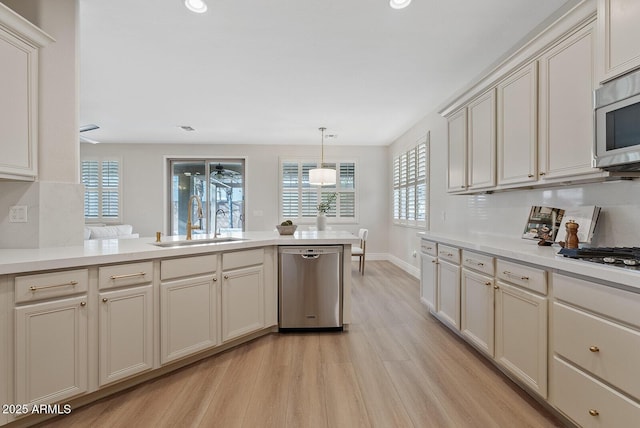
pixel 617 119
pixel 625 257
pixel 310 287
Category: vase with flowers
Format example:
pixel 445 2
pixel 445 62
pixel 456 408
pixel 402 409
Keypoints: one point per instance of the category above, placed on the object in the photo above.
pixel 323 208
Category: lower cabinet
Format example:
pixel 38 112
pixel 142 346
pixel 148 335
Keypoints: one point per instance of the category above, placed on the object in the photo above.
pixel 428 280
pixel 448 293
pixel 188 313
pixel 243 291
pixel 477 313
pixel 126 333
pixel 521 335
pixel 51 353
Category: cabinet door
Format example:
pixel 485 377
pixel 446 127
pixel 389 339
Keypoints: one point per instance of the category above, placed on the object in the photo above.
pixel 242 302
pixel 51 351
pixel 521 335
pixel 517 130
pixel 618 34
pixel 428 276
pixel 477 320
pixel 481 160
pixel 566 107
pixel 126 333
pixel 188 310
pixel 18 107
pixel 457 152
pixel 448 294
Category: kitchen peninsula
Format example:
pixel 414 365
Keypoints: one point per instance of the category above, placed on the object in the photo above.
pixel 82 322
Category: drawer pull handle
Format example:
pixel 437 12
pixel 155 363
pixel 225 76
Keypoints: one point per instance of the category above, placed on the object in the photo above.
pixel 594 349
pixel 594 412
pixel 444 253
pixel 71 283
pixel 513 275
pixel 128 275
pixel 474 262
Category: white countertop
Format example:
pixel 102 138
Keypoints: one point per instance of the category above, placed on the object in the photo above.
pixel 103 251
pixel 529 251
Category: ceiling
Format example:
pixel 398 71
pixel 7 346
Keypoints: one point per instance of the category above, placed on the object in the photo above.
pixel 274 71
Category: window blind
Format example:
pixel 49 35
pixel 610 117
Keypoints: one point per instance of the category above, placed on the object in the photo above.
pixel 410 187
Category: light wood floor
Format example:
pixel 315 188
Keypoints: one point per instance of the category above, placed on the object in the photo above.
pixel 396 367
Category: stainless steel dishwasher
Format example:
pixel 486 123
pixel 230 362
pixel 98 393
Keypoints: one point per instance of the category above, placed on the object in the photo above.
pixel 310 287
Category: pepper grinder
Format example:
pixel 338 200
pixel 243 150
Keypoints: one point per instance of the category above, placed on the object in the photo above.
pixel 572 234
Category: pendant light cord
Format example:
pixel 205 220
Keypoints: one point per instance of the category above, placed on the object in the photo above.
pixel 322 147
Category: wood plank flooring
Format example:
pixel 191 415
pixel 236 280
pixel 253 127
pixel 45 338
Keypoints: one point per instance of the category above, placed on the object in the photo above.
pixel 397 366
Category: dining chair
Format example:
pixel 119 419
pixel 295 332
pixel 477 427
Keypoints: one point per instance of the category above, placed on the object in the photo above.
pixel 360 251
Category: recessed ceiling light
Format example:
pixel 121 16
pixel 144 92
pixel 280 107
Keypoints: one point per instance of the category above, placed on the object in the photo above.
pixel 197 6
pixel 399 4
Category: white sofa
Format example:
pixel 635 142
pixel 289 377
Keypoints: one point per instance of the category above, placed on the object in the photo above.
pixel 109 231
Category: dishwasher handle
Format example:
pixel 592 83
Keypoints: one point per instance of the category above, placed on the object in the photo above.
pixel 310 256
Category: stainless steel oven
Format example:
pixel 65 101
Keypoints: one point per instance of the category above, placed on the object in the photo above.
pixel 617 120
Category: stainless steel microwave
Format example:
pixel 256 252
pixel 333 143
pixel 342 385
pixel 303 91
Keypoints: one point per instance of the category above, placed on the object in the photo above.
pixel 617 120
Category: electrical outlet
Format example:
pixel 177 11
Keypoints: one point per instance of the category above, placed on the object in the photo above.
pixel 18 214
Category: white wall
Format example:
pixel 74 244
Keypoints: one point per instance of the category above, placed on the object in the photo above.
pixel 144 186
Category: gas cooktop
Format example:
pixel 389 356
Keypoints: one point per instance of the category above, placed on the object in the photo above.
pixel 627 257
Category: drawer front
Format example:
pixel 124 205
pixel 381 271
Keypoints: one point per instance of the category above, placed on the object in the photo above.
pixel 52 284
pixel 429 247
pixel 525 276
pixel 480 262
pixel 188 266
pixel 613 303
pixel 124 275
pixel 599 346
pixel 448 253
pixel 589 402
pixel 240 259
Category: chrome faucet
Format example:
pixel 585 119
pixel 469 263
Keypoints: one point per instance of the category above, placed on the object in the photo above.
pixel 216 232
pixel 190 227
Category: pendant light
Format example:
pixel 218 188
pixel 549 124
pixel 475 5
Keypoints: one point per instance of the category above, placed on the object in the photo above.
pixel 322 176
pixel 399 4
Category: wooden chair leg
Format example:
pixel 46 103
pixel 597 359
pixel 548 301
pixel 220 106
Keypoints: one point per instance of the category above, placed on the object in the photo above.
pixel 362 259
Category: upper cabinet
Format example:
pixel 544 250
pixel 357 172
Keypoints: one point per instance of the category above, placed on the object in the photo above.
pixel 457 151
pixel 19 44
pixel 517 135
pixel 619 32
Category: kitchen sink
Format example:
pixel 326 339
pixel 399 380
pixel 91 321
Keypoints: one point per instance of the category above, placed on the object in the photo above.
pixel 173 244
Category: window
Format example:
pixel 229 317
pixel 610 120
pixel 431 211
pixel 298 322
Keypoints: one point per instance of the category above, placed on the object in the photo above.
pixel 102 193
pixel 410 191
pixel 299 199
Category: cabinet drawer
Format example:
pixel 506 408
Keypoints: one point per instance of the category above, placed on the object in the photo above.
pixel 429 247
pixel 528 277
pixel 599 346
pixel 589 402
pixel 52 284
pixel 123 275
pixel 612 302
pixel 480 262
pixel 188 266
pixel 242 258
pixel 451 254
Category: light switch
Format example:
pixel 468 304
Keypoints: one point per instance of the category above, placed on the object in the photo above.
pixel 18 214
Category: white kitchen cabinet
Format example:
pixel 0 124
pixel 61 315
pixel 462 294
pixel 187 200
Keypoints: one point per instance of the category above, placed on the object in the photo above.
pixel 243 293
pixel 189 309
pixel 565 145
pixel 448 290
pixel 19 44
pixel 481 150
pixel 596 334
pixel 126 333
pixel 457 151
pixel 477 301
pixel 618 35
pixel 517 136
pixel 51 353
pixel 521 335
pixel 428 273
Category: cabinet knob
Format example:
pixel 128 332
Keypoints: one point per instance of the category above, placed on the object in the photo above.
pixel 226 277
pixel 594 349
pixel 530 175
pixel 105 300
pixel 462 187
pixel 433 261
pixel 487 283
pixel 215 278
pixel 541 173
pixel 495 287
pixel 594 412
pixel 83 303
